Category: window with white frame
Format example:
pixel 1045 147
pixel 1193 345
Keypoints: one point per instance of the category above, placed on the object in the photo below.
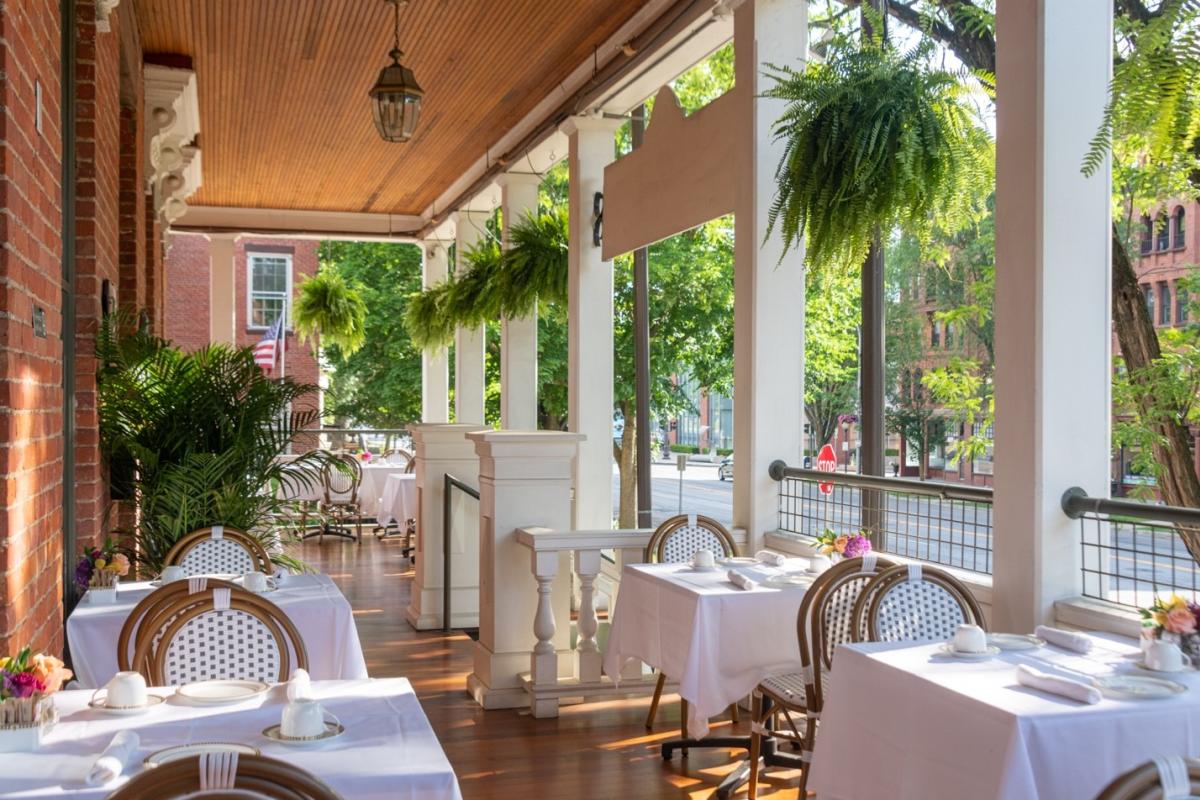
pixel 269 278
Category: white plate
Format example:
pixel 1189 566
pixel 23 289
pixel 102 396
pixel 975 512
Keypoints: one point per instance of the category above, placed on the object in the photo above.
pixel 1014 641
pixel 216 693
pixel 1138 687
pixel 179 751
pixel 695 568
pixel 1146 668
pixel 332 731
pixel 101 704
pixel 787 581
pixel 949 650
pixel 737 560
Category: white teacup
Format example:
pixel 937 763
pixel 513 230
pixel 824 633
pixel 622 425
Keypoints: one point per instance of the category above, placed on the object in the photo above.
pixel 703 559
pixel 1164 656
pixel 970 639
pixel 254 582
pixel 124 690
pixel 172 573
pixel 819 563
pixel 304 718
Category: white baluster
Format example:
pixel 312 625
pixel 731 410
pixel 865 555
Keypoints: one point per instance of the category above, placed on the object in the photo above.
pixel 587 564
pixel 544 660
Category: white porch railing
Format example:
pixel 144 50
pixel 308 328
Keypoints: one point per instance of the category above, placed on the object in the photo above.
pixel 546 689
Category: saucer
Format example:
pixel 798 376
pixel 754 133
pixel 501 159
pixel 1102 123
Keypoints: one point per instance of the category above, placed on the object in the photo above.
pixel 949 650
pixel 1142 665
pixel 332 731
pixel 102 706
pixel 698 568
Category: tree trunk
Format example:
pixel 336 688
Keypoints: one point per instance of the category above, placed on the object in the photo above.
pixel 626 466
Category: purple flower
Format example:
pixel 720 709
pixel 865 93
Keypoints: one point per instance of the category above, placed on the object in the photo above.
pixel 857 545
pixel 83 573
pixel 23 684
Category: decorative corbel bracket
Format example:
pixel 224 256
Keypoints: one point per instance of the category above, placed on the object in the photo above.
pixel 104 9
pixel 172 118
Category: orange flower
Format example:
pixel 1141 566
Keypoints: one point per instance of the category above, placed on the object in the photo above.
pixel 50 671
pixel 1180 620
pixel 839 543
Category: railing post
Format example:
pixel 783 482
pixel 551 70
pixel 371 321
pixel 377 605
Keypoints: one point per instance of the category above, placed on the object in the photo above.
pixel 543 663
pixel 587 565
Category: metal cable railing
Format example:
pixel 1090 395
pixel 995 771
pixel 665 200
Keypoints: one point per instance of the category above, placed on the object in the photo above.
pixel 942 523
pixel 1133 552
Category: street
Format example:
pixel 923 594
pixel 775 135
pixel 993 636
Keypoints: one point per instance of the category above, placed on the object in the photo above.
pixel 702 492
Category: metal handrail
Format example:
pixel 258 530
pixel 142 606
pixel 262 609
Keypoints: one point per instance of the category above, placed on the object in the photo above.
pixel 779 470
pixel 1076 503
pixel 450 483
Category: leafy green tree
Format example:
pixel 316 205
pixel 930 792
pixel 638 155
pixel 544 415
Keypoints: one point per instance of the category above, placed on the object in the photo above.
pixel 831 316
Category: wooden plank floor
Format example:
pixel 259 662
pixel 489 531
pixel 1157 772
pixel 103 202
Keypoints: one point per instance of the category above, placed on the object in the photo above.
pixel 593 751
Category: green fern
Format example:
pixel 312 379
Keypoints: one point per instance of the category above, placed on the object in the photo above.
pixel 327 307
pixel 873 139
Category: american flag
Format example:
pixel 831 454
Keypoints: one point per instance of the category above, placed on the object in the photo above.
pixel 266 350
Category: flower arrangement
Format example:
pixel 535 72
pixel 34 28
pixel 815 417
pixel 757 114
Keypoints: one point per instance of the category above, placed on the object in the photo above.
pixel 847 546
pixel 1175 619
pixel 101 566
pixel 25 679
pixel 365 455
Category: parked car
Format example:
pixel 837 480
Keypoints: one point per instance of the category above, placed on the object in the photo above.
pixel 725 469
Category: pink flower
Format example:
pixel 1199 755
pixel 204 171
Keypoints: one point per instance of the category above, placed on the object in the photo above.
pixel 858 545
pixel 23 684
pixel 1181 620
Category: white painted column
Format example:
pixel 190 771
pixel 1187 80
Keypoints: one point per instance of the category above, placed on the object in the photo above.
pixel 435 376
pixel 469 380
pixel 768 342
pixel 1053 321
pixel 222 291
pixel 442 449
pixel 518 337
pixel 590 325
pixel 524 481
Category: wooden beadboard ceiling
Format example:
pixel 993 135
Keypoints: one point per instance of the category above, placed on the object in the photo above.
pixel 284 114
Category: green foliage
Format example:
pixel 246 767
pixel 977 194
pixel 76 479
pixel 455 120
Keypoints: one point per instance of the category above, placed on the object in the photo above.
pixel 379 384
pixel 328 307
pixel 202 432
pixel 831 317
pixel 875 139
pixel 535 266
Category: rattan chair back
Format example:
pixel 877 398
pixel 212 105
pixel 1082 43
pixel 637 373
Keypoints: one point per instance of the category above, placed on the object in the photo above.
pixel 678 538
pixel 256 776
pixel 342 477
pixel 397 457
pixel 218 550
pixel 191 639
pixel 148 608
pixel 1148 781
pixel 915 603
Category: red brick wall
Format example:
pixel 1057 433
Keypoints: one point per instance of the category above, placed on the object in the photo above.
pixel 30 367
pixel 133 287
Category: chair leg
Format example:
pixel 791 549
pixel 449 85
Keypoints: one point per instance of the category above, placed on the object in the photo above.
pixel 755 746
pixel 358 529
pixel 810 735
pixel 658 690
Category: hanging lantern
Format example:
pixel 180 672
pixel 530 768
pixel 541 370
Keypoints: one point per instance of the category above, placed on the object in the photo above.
pixel 396 96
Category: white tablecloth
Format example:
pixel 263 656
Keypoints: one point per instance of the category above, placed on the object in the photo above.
pixel 399 500
pixel 904 722
pixel 312 602
pixel 716 640
pixel 388 750
pixel 370 491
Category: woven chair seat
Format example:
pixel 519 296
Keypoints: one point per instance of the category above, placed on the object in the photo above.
pixel 788 688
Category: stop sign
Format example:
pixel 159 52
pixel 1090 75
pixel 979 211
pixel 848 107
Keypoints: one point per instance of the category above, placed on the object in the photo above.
pixel 826 462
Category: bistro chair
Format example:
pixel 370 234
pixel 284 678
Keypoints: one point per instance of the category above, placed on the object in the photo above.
pixel 218 550
pixel 148 608
pixel 914 603
pixel 822 623
pixel 225 775
pixel 399 458
pixel 1161 779
pixel 342 478
pixel 675 541
pixel 295 511
pixel 218 634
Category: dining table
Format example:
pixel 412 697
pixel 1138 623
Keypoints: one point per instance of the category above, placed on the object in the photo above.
pixel 398 503
pixel 910 721
pixel 312 602
pixel 388 749
pixel 370 489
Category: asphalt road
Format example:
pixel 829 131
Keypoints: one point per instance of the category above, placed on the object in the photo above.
pixel 702 492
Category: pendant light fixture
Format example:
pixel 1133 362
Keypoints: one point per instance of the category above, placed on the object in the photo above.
pixel 396 96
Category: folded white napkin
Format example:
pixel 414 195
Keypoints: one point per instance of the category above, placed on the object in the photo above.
pixel 300 686
pixel 741 581
pixel 114 759
pixel 768 557
pixel 1069 640
pixel 1054 684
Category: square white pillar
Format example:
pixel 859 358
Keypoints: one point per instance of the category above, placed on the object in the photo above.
pixel 469 380
pixel 441 450
pixel 435 375
pixel 590 324
pixel 768 340
pixel 1053 320
pixel 222 288
pixel 518 337
pixel 524 481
